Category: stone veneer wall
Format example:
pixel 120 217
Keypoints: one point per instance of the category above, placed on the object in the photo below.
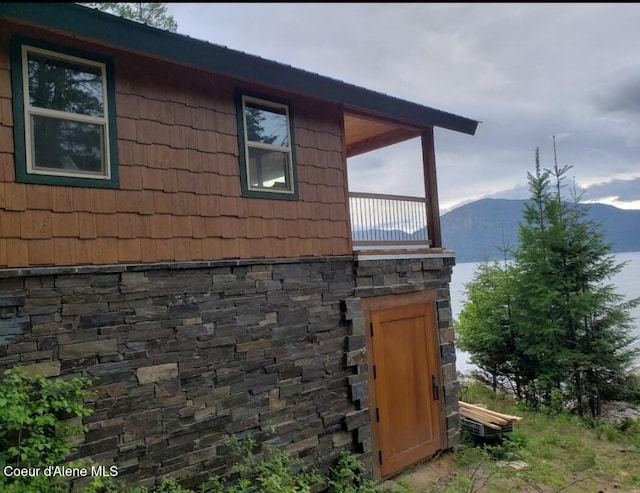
pixel 185 353
pixel 397 276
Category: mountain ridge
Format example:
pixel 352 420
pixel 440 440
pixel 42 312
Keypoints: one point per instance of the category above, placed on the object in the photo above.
pixel 475 230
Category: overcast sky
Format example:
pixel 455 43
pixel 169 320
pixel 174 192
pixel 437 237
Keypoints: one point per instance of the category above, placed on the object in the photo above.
pixel 527 72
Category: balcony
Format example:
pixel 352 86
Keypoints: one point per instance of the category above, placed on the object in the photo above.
pixel 384 224
pixel 388 222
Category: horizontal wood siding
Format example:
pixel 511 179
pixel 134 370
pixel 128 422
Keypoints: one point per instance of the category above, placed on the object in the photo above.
pixel 179 196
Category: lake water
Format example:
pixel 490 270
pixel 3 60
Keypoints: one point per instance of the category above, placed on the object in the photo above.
pixel 627 283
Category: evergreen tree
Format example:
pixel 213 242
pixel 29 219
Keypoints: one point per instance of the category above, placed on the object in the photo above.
pixel 541 335
pixel 568 331
pixel 486 329
pixel 150 13
pixel 573 322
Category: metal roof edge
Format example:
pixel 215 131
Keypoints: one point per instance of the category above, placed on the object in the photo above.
pixel 128 34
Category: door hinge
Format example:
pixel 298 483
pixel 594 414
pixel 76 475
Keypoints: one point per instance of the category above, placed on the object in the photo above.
pixel 375 375
pixel 435 388
pixel 371 327
pixel 377 415
pixel 380 456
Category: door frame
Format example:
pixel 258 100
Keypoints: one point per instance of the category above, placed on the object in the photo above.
pixel 376 303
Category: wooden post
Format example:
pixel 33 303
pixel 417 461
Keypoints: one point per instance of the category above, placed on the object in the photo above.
pixel 431 188
pixel 345 176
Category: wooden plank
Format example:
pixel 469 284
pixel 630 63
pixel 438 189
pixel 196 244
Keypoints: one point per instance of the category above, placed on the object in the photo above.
pixel 479 410
pixel 484 419
pixel 479 415
pixel 490 412
pixel 483 422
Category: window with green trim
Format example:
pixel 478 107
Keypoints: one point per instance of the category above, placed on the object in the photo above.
pixel 64 121
pixel 267 156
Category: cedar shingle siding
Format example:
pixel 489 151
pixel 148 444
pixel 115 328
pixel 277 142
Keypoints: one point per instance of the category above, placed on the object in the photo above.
pixel 179 196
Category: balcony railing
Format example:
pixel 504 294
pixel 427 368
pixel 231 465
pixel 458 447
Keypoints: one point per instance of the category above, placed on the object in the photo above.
pixel 388 221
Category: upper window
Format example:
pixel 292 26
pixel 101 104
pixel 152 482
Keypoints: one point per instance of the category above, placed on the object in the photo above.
pixel 64 122
pixel 266 143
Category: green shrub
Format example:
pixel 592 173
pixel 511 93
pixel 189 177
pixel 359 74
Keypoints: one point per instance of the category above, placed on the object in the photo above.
pixel 36 422
pixel 168 485
pixel 347 476
pixel 268 469
pixel 263 470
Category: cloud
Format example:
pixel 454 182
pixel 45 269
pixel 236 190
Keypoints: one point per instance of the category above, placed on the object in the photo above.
pixel 622 95
pixel 622 190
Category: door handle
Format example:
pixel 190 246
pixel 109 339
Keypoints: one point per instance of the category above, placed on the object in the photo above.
pixel 434 387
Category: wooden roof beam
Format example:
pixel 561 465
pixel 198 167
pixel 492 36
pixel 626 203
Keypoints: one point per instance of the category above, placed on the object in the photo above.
pixel 391 137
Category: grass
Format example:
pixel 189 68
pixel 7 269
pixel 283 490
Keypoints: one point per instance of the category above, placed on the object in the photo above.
pixel 564 454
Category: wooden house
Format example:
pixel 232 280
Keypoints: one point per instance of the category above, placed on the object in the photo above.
pixel 175 221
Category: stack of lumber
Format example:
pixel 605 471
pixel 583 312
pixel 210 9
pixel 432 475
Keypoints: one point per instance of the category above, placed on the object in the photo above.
pixel 486 417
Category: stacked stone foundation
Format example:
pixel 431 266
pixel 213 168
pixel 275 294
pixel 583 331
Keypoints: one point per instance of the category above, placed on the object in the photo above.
pixel 183 354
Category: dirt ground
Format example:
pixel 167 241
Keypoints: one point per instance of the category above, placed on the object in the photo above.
pixel 429 473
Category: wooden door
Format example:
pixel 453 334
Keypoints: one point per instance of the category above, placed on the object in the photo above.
pixel 406 379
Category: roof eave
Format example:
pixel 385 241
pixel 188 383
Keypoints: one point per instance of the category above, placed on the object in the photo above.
pixel 106 28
